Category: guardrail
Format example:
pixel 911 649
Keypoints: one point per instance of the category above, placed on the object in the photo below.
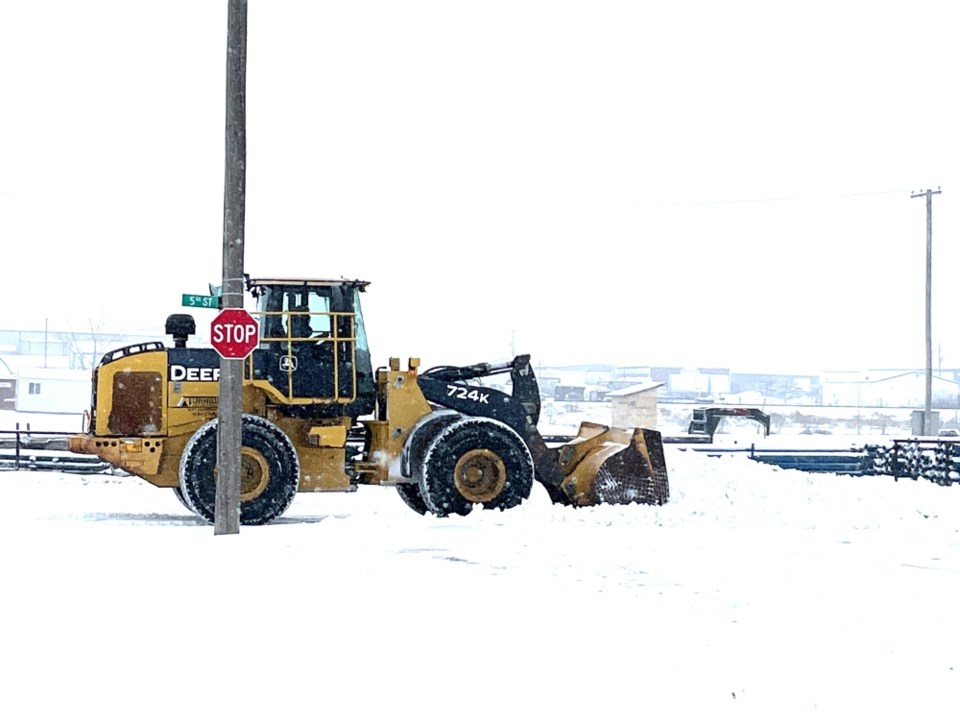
pixel 44 450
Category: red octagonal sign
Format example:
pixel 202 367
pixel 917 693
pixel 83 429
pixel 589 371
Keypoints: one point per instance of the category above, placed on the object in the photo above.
pixel 234 333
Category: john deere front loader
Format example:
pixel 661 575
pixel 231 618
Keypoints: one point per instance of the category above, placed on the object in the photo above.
pixel 318 417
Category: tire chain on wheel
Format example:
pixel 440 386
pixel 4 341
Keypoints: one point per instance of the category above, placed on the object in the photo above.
pixel 183 500
pixel 410 494
pixel 423 432
pixel 421 435
pixel 257 433
pixel 435 475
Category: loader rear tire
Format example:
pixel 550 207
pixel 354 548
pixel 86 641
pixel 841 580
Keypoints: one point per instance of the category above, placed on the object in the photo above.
pixel 183 500
pixel 269 471
pixel 475 461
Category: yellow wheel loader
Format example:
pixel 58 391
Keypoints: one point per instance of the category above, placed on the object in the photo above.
pixel 316 417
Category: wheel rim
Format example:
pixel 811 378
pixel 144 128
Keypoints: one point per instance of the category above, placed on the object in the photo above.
pixel 480 475
pixel 254 474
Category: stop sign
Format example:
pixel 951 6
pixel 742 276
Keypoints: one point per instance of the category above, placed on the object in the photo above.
pixel 234 333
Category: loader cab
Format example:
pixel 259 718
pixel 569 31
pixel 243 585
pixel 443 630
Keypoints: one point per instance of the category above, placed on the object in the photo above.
pixel 313 346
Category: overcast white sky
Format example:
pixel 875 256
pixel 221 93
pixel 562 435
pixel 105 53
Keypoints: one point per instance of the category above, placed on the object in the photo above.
pixel 651 183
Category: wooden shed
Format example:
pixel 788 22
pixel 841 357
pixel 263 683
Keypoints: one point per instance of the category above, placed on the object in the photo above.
pixel 636 405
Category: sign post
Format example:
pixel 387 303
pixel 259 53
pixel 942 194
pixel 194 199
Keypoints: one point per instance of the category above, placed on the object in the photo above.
pixel 226 520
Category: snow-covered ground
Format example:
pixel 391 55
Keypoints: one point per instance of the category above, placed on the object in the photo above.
pixel 756 592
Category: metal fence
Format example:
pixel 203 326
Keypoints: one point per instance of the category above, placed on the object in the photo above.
pixel 44 450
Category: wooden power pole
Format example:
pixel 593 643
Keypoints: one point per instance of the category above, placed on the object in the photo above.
pixel 227 508
pixel 928 396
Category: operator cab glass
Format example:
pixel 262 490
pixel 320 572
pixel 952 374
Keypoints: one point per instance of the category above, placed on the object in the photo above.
pixel 300 313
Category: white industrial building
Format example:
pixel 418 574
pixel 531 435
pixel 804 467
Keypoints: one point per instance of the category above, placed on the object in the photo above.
pixel 692 381
pixel 904 389
pixel 52 390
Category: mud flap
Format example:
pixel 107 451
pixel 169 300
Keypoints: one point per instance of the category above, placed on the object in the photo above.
pixel 605 465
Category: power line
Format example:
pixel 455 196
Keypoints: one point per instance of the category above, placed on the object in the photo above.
pixel 784 198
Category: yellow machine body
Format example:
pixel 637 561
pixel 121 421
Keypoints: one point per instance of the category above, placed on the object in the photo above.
pixel 317 417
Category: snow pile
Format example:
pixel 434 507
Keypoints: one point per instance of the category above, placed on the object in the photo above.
pixel 756 592
pixel 737 492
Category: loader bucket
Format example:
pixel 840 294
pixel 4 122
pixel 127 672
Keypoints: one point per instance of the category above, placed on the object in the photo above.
pixel 605 465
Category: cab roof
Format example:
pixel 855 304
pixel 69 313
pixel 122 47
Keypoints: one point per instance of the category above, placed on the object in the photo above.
pixel 287 282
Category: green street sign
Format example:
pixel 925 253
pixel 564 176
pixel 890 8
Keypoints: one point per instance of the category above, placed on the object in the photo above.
pixel 205 301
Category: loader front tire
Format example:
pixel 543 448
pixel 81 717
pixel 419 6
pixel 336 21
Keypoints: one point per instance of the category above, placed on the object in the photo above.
pixel 410 494
pixel 421 435
pixel 557 496
pixel 475 461
pixel 269 471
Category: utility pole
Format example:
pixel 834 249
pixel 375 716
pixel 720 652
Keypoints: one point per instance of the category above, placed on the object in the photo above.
pixel 928 397
pixel 226 519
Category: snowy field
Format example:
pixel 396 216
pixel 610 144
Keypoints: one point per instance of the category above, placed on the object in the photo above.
pixel 756 592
